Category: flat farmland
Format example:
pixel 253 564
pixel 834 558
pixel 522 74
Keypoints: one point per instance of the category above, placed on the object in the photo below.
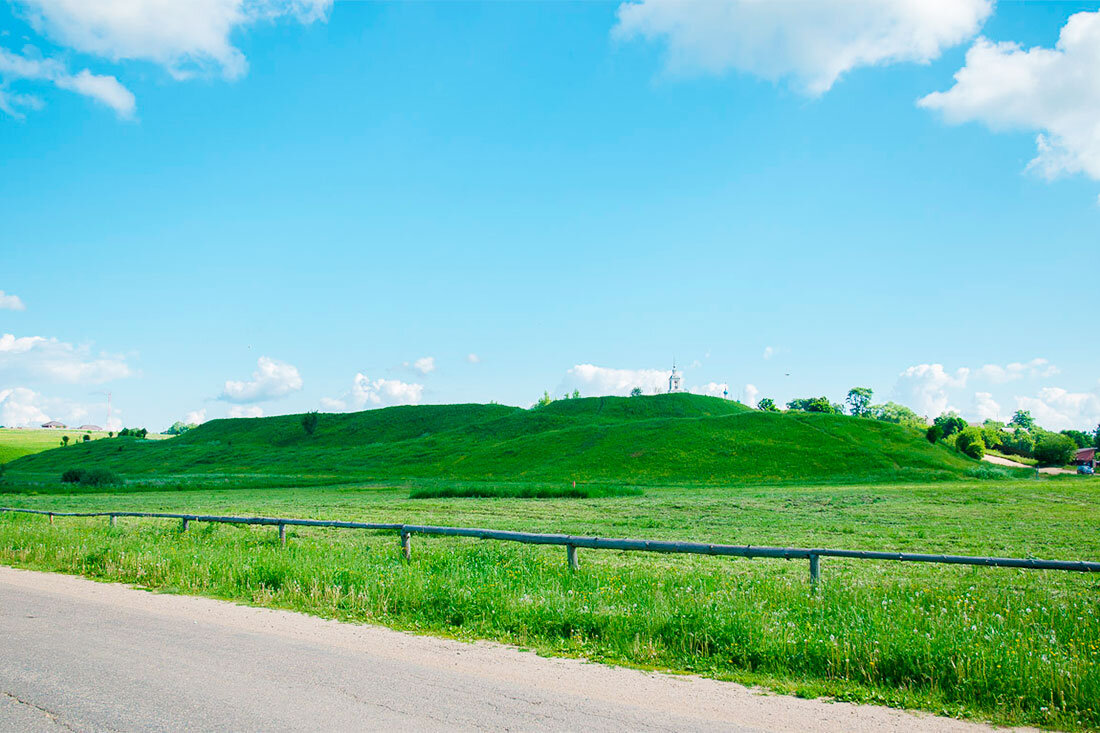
pixel 1012 646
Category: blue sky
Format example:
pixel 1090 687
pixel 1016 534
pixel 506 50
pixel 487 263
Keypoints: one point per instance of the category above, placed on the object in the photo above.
pixel 268 207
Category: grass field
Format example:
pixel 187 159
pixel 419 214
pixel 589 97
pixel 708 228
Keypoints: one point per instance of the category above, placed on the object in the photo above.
pixel 1009 645
pixel 16 443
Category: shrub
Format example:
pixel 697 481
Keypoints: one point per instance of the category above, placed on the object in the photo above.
pixel 813 404
pixel 950 423
pixel 309 422
pixel 970 442
pixel 1054 449
pixel 934 434
pixel 94 477
pixel 767 405
pixel 100 477
pixel 636 392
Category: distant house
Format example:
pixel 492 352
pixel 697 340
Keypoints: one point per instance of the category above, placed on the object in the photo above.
pixel 1086 457
pixel 89 427
pixel 53 424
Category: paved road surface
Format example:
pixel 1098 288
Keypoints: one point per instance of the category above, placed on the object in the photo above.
pixel 84 656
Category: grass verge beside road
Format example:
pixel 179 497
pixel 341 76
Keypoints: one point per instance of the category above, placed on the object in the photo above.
pixel 1013 646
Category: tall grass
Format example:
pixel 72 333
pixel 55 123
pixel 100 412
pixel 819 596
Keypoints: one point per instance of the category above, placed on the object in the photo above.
pixel 1010 645
pixel 522 491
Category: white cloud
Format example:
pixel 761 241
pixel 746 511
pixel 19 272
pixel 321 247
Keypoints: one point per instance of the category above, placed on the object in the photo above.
pixel 714 389
pixel 272 379
pixel 1037 367
pixel 366 393
pixel 924 387
pixel 424 364
pixel 812 43
pixel 105 89
pixel 11 302
pixel 1053 91
pixel 473 358
pixel 751 393
pixel 19 407
pixel 596 380
pixel 245 411
pixel 183 37
pixel 23 407
pixel 986 408
pixel 1058 409
pixel 36 356
pixel 195 417
pixel 769 352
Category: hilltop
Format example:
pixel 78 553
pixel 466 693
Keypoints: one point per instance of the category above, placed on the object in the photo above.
pixel 671 438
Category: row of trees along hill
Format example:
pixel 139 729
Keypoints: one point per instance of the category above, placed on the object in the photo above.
pixel 125 432
pixel 1021 437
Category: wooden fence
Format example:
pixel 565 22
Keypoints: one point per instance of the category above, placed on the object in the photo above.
pixel 573 542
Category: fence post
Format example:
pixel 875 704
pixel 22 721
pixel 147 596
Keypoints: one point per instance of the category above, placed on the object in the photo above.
pixel 183 525
pixel 112 520
pixel 282 535
pixel 406 544
pixel 51 518
pixel 571 556
pixel 815 570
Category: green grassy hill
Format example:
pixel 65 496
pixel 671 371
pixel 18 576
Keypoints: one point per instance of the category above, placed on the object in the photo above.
pixel 677 438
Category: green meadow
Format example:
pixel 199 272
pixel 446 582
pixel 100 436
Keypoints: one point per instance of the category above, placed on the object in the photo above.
pixel 19 442
pixel 1011 646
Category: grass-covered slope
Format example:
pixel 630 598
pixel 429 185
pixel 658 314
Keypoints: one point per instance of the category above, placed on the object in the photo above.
pixel 677 438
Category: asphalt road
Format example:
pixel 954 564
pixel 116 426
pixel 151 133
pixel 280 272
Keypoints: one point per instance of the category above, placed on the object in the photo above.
pixel 84 656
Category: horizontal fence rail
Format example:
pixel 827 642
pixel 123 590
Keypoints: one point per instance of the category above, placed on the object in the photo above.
pixel 573 542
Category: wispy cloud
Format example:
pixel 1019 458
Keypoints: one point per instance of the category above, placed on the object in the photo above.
pixel 102 88
pixel 39 357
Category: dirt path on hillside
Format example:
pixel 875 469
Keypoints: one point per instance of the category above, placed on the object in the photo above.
pixel 80 655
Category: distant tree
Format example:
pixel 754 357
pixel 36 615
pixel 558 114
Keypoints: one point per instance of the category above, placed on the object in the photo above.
pixel 309 422
pixel 636 392
pixel 1080 438
pixel 86 437
pixel 64 440
pixel 179 428
pixel 812 404
pixel 767 405
pixel 111 434
pixel 993 433
pixel 1022 419
pixel 969 441
pixel 1053 449
pixel 576 394
pixel 1018 443
pixel 934 434
pixel 950 423
pixel 859 399
pixel 543 401
pixel 897 414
